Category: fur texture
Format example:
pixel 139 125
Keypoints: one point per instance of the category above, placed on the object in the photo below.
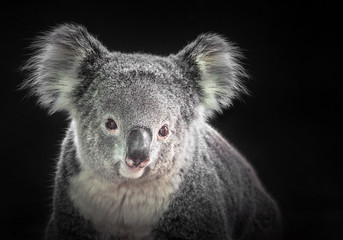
pixel 194 186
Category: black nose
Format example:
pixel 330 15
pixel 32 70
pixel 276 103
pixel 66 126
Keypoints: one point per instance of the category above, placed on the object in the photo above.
pixel 138 145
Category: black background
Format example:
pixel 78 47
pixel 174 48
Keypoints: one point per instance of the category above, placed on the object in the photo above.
pixel 289 128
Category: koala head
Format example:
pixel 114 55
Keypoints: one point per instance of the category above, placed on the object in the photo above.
pixel 132 113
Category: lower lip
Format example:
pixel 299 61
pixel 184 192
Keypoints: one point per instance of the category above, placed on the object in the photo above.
pixel 131 172
pixel 135 169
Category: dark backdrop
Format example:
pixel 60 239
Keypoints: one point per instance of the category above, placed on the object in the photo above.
pixel 288 128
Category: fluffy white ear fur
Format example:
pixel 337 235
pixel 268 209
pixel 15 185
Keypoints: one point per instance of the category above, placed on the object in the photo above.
pixel 219 71
pixel 54 67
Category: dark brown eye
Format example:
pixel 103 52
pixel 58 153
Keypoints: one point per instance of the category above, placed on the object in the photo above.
pixel 164 131
pixel 111 125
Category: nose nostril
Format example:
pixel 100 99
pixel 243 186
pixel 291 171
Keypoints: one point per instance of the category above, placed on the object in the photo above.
pixel 137 159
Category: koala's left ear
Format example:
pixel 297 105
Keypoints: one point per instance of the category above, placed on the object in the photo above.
pixel 57 62
pixel 213 63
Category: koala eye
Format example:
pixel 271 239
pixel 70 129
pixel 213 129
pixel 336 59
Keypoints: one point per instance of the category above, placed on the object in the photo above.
pixel 111 125
pixel 163 132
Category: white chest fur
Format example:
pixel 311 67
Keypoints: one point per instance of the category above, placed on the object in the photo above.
pixel 120 209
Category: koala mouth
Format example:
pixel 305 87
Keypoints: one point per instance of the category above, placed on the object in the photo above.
pixel 136 164
pixel 133 169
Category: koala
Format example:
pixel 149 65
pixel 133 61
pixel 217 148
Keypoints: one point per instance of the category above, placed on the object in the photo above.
pixel 139 159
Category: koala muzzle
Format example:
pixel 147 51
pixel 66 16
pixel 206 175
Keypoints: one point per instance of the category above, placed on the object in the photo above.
pixel 138 147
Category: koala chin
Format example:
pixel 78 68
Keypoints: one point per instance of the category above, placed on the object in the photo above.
pixel 131 172
pixel 140 160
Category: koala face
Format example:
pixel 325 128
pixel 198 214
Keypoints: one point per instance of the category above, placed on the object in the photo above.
pixel 128 121
pixel 132 113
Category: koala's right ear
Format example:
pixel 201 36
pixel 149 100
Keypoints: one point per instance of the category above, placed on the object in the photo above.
pixel 55 66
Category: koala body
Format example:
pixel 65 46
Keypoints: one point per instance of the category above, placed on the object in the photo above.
pixel 139 160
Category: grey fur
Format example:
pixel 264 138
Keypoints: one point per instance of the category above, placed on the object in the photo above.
pixel 195 186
